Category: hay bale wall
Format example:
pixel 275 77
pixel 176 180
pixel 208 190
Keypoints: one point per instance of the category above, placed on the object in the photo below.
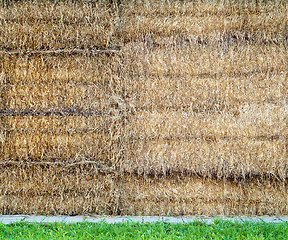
pixel 149 108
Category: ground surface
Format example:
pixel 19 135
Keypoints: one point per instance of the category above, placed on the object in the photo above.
pixel 6 219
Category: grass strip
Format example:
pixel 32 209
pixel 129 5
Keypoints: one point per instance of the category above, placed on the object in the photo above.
pixel 218 229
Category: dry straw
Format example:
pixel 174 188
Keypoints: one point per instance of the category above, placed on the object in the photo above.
pixel 56 190
pixel 201 196
pixel 146 107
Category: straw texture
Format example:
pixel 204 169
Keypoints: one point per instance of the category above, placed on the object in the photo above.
pixel 144 107
pixel 56 189
pixel 176 195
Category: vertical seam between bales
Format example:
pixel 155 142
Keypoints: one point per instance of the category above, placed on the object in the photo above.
pixel 3 99
pixel 121 155
pixel 286 124
pixel 123 113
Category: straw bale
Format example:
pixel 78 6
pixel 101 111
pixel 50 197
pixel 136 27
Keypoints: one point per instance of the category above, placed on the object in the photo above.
pixel 206 60
pixel 240 158
pixel 95 25
pixel 262 121
pixel 56 96
pixel 176 195
pixel 202 19
pixel 253 143
pixel 64 139
pixel 61 26
pixel 204 79
pixel 56 190
pixel 60 125
pixel 100 70
pixel 64 147
pixel 45 83
pixel 208 93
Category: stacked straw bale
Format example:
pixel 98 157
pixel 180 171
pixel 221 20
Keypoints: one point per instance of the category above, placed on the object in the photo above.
pixel 52 189
pixel 176 195
pixel 149 107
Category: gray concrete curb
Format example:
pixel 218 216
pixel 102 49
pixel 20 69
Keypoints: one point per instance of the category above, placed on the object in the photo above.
pixel 6 219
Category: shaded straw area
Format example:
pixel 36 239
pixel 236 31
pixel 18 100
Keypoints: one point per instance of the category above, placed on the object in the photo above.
pixel 55 189
pixel 52 189
pixel 144 108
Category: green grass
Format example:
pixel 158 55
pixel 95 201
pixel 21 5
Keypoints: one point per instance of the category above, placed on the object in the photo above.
pixel 160 230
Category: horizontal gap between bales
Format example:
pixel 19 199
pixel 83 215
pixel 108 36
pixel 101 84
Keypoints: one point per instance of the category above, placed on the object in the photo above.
pixel 127 139
pixel 62 112
pixel 103 168
pixel 204 75
pixel 61 51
